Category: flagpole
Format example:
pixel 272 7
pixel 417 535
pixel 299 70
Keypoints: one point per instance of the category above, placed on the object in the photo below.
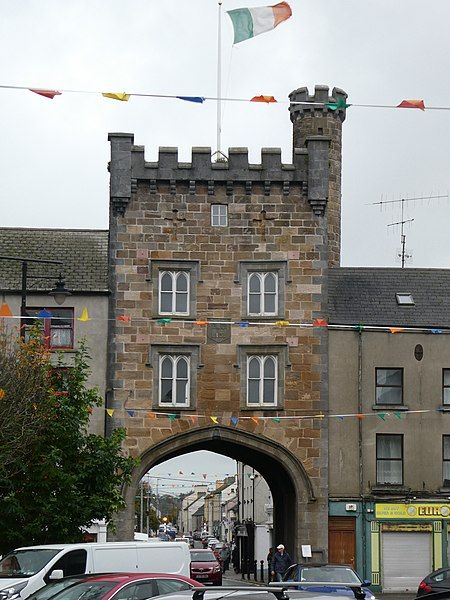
pixel 219 81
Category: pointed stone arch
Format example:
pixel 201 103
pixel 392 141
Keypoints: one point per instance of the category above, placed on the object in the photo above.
pixel 294 499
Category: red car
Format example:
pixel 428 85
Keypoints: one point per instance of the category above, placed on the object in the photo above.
pixel 205 567
pixel 117 586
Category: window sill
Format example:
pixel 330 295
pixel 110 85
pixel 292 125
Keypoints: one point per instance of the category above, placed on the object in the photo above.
pixel 444 408
pixel 263 319
pixel 261 408
pixel 173 410
pixel 391 488
pixel 387 407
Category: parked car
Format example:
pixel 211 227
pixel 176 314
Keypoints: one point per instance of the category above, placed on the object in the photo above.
pixel 205 567
pixel 341 574
pixel 117 586
pixel 26 570
pixel 437 581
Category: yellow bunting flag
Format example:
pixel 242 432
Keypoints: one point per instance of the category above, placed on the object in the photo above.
pixel 2 394
pixel 215 420
pixel 282 323
pixel 110 411
pixel 5 311
pixel 122 96
pixel 84 315
pixel 396 329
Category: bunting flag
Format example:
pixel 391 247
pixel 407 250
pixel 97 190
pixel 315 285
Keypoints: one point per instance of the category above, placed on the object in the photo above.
pixel 396 329
pixel 46 93
pixel 110 411
pixel 122 96
pixel 266 99
pixel 420 104
pixel 340 417
pixel 2 394
pixel 201 322
pixel 124 318
pixel 84 315
pixel 44 314
pixel 164 321
pixel 131 413
pixel 180 473
pixel 255 420
pixel 398 414
pixel 435 331
pixel 196 99
pixel 360 417
pixel 5 311
pixel 249 22
pixel 242 323
pixel 282 323
pixel 276 419
pixel 205 475
pixel 320 323
pixel 234 421
pixel 215 420
pixel 341 103
pixel 382 416
pixel 359 328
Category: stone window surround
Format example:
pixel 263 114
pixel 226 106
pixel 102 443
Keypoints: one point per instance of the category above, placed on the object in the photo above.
pixel 218 216
pixel 191 350
pixel 281 351
pixel 245 267
pixel 190 266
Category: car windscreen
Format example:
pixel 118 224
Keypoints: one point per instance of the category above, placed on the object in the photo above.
pixel 25 563
pixel 86 590
pixel 330 574
pixel 202 557
pixel 51 589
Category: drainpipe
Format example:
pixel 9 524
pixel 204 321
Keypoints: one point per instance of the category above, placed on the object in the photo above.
pixel 360 452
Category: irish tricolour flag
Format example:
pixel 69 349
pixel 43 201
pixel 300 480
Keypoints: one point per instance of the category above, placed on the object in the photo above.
pixel 248 22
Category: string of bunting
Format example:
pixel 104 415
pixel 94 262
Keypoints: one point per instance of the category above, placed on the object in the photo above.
pixel 50 94
pixel 6 313
pixel 234 421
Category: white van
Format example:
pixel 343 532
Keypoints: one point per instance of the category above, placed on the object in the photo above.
pixel 26 570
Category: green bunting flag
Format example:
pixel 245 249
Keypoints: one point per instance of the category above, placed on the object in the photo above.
pixel 382 416
pixel 171 417
pixel 337 105
pixel 164 321
pixel 398 414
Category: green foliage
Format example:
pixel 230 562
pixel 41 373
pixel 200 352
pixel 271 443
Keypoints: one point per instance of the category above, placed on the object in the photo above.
pixel 66 477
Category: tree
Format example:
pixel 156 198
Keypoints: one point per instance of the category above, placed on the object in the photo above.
pixel 55 477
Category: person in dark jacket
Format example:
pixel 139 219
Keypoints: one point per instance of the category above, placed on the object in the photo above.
pixel 281 561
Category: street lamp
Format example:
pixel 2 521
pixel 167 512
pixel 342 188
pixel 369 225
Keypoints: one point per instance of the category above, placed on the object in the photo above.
pixel 59 292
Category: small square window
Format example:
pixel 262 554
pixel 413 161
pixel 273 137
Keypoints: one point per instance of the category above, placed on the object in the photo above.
pixel 404 299
pixel 219 215
pixel 57 328
pixel 389 386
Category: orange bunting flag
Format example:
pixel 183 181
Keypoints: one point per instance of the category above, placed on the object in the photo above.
pixel 110 411
pixel 5 311
pixel 266 99
pixel 46 93
pixel 124 318
pixel 2 394
pixel 215 420
pixel 420 104
pixel 360 417
pixel 396 329
pixel 320 323
pixel 201 322
pixel 122 96
pixel 255 419
pixel 84 315
pixel 151 415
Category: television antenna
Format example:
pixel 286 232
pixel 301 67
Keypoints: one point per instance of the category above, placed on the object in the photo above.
pixel 403 255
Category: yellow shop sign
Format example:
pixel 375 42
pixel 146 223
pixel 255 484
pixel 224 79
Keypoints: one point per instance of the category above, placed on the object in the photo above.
pixel 412 511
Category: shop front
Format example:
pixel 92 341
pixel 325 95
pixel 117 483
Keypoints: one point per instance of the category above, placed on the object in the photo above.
pixel 407 543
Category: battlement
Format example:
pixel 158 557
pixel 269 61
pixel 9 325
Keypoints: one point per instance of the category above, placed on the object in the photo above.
pixel 318 99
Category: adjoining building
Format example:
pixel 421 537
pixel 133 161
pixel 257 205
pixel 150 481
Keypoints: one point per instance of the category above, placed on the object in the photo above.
pixel 389 463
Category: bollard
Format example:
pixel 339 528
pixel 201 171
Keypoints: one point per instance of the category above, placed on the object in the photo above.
pixel 269 571
pixel 248 569
pixel 242 568
pixel 261 571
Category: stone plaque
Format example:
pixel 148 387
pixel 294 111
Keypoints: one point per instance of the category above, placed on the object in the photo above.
pixel 218 333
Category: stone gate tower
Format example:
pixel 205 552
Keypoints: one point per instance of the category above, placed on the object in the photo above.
pixel 217 273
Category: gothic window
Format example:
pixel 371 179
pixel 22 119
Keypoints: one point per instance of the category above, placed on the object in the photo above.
pixel 174 380
pixel 173 293
pixel 262 381
pixel 262 294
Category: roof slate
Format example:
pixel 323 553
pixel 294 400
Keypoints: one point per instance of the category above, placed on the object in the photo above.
pixel 361 295
pixel 83 252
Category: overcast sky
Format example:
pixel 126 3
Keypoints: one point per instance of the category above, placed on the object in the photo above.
pixel 53 153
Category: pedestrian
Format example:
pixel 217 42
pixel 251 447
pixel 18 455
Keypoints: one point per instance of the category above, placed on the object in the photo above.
pixel 269 563
pixel 281 561
pixel 235 558
pixel 225 555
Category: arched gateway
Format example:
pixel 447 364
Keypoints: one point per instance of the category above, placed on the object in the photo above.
pixel 291 488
